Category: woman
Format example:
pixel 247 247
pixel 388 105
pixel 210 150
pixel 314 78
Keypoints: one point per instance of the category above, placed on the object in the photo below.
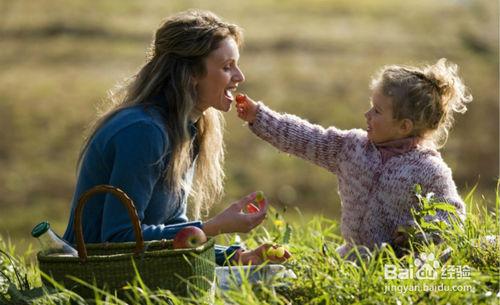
pixel 161 141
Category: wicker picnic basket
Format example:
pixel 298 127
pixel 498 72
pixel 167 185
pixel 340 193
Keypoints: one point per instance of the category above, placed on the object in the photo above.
pixel 113 265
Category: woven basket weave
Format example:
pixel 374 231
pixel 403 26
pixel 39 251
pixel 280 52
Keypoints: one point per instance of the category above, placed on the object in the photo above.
pixel 111 265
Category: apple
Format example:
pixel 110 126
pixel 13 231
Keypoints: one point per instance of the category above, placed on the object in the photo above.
pixel 279 252
pixel 270 251
pixel 276 251
pixel 189 237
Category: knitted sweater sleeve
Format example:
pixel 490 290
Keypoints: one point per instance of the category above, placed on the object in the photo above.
pixel 440 182
pixel 299 137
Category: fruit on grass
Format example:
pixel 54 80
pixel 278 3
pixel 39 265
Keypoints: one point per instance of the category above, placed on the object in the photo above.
pixel 189 237
pixel 240 98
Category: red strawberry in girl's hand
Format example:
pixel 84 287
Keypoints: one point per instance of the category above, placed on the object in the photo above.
pixel 240 98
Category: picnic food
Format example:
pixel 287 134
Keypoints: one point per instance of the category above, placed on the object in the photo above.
pixel 189 237
pixel 276 251
pixel 254 207
pixel 240 98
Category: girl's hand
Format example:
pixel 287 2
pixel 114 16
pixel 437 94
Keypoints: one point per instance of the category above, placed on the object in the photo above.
pixel 259 255
pixel 246 108
pixel 233 220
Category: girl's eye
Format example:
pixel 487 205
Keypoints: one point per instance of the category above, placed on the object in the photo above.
pixel 227 68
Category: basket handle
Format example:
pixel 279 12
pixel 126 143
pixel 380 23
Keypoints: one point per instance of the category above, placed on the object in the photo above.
pixel 124 199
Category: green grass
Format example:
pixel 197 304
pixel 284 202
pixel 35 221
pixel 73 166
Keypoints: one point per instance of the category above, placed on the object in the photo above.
pixel 325 278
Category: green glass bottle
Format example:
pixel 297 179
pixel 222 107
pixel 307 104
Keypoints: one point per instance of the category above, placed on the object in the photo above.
pixel 50 242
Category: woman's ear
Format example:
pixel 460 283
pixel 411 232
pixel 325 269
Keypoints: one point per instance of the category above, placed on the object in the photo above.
pixel 406 127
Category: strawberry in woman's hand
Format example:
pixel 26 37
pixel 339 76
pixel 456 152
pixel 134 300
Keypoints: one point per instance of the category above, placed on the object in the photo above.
pixel 252 208
pixel 258 204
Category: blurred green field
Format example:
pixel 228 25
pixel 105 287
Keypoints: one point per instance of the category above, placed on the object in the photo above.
pixel 312 58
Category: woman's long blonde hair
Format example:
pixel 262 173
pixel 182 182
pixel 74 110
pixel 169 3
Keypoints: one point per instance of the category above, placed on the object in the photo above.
pixel 177 55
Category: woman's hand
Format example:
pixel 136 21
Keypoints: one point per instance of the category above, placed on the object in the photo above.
pixel 246 108
pixel 259 255
pixel 233 220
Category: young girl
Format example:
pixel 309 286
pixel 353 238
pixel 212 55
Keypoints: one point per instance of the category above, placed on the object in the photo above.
pixel 409 119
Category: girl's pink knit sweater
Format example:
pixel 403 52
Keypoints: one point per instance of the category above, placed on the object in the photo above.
pixel 376 197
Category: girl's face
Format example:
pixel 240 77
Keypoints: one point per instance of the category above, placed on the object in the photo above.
pixel 382 127
pixel 214 89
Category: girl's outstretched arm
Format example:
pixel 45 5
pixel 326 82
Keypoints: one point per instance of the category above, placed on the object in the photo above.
pixel 292 134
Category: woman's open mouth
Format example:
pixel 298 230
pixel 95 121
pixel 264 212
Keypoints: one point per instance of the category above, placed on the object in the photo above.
pixel 228 93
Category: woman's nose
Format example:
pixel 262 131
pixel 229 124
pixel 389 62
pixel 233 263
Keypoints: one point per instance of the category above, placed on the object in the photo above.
pixel 239 77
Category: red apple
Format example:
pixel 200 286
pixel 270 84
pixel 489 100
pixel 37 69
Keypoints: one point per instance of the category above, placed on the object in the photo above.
pixel 189 237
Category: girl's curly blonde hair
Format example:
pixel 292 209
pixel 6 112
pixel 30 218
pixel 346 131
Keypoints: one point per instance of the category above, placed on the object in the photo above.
pixel 428 96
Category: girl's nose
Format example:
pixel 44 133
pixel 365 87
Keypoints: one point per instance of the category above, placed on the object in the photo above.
pixel 367 114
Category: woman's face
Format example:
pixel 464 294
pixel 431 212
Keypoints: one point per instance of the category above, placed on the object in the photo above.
pixel 214 89
pixel 381 126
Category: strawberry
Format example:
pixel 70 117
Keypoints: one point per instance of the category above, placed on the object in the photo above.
pixel 240 98
pixel 252 208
